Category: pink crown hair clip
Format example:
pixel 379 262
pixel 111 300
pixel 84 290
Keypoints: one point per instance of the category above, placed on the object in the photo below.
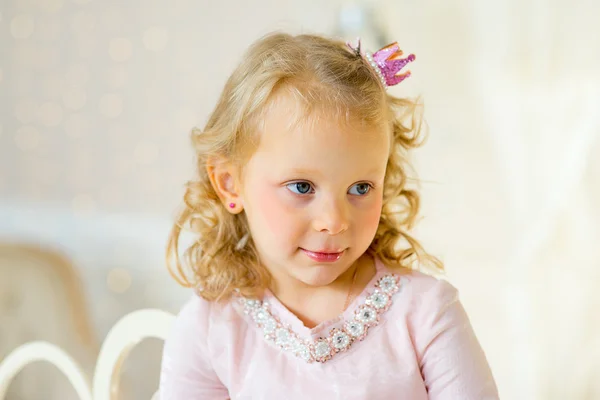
pixel 386 62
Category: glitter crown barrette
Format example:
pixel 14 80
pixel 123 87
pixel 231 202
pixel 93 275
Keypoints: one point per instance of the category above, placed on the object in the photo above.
pixel 386 62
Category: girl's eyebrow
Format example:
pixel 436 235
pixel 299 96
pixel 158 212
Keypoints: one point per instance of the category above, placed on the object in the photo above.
pixel 304 171
pixel 317 173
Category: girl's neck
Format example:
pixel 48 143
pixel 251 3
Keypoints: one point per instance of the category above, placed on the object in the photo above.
pixel 313 305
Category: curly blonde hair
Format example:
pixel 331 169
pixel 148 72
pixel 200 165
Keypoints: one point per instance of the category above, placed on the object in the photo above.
pixel 323 74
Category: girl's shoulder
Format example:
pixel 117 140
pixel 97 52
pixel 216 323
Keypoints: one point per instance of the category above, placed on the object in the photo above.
pixel 198 314
pixel 194 314
pixel 424 289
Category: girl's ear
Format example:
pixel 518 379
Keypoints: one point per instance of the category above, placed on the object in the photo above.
pixel 225 180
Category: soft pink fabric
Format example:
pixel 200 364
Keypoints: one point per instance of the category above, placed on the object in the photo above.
pixel 423 348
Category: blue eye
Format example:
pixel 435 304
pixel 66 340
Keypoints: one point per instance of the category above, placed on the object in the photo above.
pixel 299 187
pixel 362 189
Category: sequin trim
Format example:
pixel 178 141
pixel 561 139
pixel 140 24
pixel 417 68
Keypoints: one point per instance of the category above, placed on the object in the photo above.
pixel 366 316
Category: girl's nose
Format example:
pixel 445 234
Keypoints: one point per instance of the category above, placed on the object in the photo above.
pixel 332 218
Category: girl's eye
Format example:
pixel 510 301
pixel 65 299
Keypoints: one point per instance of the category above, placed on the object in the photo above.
pixel 361 189
pixel 299 187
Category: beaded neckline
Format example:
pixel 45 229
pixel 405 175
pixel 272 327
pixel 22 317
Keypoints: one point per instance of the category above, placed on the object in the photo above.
pixel 366 316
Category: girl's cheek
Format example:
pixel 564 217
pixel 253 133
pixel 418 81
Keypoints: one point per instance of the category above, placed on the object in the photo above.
pixel 373 214
pixel 274 210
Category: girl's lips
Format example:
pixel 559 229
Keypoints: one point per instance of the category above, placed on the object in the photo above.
pixel 323 257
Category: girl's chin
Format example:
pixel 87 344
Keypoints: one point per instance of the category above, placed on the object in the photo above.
pixel 318 276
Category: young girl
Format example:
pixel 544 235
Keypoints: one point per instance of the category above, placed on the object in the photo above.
pixel 304 270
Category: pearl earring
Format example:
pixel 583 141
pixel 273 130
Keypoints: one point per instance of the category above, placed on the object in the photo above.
pixel 231 205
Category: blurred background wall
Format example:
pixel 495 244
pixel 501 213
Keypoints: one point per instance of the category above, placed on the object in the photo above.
pixel 97 99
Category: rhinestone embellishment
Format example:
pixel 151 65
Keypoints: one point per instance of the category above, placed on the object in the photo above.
pixel 339 340
pixel 355 329
pixel 367 315
pixel 378 300
pixel 323 350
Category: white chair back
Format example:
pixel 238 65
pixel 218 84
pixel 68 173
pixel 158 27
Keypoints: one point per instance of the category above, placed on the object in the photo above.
pixel 124 335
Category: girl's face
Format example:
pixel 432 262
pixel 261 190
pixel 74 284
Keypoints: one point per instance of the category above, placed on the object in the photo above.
pixel 313 190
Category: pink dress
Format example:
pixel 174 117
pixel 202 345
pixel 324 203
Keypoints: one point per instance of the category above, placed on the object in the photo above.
pixel 417 343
